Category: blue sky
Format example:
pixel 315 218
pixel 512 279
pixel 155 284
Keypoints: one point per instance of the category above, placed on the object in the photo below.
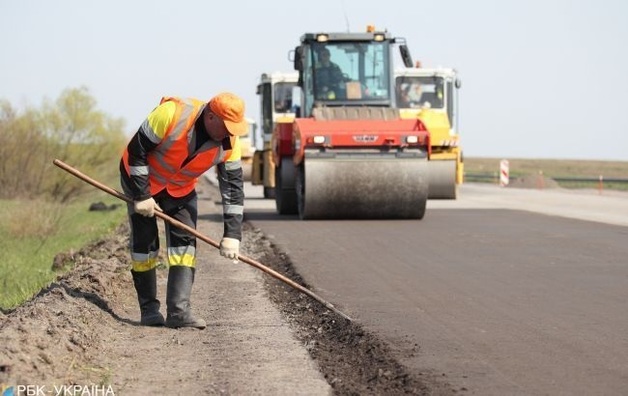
pixel 541 78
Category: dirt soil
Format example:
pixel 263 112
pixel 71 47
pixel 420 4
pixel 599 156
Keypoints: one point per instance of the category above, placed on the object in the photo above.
pixel 83 330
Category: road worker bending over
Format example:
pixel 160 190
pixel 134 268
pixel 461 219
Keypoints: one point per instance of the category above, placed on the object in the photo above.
pixel 179 141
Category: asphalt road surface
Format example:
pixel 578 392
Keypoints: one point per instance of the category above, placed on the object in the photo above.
pixel 502 292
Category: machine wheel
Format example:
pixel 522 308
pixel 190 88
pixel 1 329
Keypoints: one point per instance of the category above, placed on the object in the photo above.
pixel 285 193
pixel 269 192
pixel 300 189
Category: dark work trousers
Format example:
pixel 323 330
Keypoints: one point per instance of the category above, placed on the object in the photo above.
pixel 181 245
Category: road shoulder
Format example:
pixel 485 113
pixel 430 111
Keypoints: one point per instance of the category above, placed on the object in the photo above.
pixel 83 329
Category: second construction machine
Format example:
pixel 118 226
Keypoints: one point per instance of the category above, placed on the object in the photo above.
pixel 431 95
pixel 348 153
pixel 276 106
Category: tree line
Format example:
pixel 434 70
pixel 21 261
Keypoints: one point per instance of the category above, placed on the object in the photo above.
pixel 71 129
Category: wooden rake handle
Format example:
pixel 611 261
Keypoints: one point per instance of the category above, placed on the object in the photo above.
pixel 200 236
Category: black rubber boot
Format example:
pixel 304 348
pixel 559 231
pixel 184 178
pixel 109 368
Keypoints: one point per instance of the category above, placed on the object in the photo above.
pixel 146 286
pixel 180 280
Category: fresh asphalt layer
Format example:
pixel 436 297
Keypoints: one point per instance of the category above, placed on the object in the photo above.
pixel 503 291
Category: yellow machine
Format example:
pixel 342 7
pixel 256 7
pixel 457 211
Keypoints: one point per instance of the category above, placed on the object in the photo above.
pixel 432 96
pixel 247 144
pixel 278 101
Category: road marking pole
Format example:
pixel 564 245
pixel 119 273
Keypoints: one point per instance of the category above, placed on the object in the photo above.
pixel 540 181
pixel 503 173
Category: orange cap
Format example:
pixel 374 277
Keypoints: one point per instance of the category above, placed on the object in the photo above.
pixel 230 108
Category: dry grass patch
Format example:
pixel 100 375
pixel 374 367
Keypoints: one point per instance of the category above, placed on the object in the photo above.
pixel 40 222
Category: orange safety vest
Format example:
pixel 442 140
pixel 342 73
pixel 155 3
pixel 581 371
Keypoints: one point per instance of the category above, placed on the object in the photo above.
pixel 165 170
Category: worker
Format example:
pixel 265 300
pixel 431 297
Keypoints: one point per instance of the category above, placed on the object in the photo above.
pixel 403 100
pixel 415 92
pixel 179 141
pixel 328 76
pixel 283 105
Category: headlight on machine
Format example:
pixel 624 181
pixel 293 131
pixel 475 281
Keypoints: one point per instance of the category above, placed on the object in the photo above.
pixel 412 139
pixel 318 139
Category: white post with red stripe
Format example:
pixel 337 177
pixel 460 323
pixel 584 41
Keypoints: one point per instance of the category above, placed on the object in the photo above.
pixel 503 173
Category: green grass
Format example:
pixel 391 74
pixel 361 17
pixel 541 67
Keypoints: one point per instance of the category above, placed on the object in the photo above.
pixel 33 232
pixel 553 168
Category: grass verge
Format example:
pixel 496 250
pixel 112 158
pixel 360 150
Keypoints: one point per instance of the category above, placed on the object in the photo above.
pixel 34 232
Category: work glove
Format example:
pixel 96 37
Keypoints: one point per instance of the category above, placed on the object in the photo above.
pixel 146 207
pixel 230 248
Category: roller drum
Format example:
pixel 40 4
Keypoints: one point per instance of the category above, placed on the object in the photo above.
pixel 442 179
pixel 392 188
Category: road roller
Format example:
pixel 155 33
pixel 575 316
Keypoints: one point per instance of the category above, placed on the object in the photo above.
pixel 348 153
pixel 275 91
pixel 431 94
